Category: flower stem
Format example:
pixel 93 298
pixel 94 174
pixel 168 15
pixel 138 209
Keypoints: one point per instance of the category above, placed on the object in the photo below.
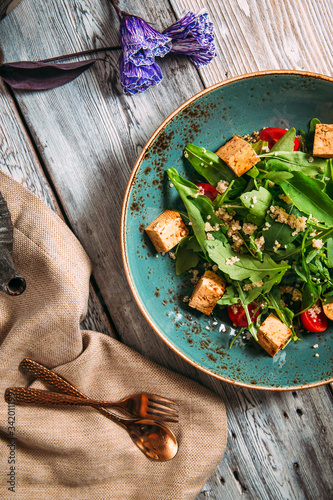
pixel 83 53
pixel 119 11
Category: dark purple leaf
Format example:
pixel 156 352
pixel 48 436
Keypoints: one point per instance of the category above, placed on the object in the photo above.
pixel 35 75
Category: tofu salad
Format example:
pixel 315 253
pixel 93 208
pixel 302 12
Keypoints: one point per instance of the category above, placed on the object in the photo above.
pixel 257 231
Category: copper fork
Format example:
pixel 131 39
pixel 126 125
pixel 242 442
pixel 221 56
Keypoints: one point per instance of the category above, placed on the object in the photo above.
pixel 143 405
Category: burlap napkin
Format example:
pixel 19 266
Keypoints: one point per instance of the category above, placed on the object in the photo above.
pixel 77 453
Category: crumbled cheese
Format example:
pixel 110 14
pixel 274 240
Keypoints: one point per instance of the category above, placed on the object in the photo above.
pixel 222 186
pixel 208 227
pixel 172 255
pixel 200 192
pixel 186 154
pixel 276 246
pixel 249 286
pixel 249 228
pixel 280 215
pixel 285 198
pixel 231 261
pixel 314 311
pixel 209 217
pixel 254 200
pixel 215 267
pixel 259 242
pixel 210 237
pixel 317 244
pixel 186 298
pixel 224 214
pixel 296 295
pixel 316 355
pixel 267 226
pixel 315 346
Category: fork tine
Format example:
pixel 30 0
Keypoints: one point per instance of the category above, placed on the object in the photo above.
pixel 155 410
pixel 161 400
pixel 162 408
pixel 162 416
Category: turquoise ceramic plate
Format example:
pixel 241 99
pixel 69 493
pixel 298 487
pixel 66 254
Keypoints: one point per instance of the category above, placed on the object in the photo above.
pixel 237 106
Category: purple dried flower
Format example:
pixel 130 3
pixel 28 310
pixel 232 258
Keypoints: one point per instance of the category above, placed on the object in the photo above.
pixel 193 36
pixel 138 78
pixel 141 43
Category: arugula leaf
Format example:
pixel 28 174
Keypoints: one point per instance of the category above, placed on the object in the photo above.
pixel 208 164
pixel 287 141
pixel 292 253
pixel 258 146
pixel 229 297
pixel 200 209
pixel 330 252
pixel 246 267
pixel 306 194
pixel 263 201
pixel 250 326
pixel 267 286
pixel 296 161
pixel 186 257
pixel 277 176
pixel 310 295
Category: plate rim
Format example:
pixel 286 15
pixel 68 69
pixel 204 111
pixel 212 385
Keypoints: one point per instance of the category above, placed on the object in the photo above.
pixel 124 214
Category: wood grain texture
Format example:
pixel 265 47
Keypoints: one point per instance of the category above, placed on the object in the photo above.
pixel 88 136
pixel 256 35
pixel 18 159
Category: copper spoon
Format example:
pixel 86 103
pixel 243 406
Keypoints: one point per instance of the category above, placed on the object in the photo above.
pixel 155 440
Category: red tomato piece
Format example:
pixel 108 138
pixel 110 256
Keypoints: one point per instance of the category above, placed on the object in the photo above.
pixel 209 190
pixel 237 314
pixel 314 319
pixel 272 135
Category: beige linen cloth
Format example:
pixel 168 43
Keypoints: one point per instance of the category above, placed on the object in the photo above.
pixel 78 453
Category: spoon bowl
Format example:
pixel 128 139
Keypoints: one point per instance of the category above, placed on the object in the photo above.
pixel 154 439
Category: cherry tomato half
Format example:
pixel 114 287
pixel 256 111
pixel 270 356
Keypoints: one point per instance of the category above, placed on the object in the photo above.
pixel 209 190
pixel 314 319
pixel 237 314
pixel 272 135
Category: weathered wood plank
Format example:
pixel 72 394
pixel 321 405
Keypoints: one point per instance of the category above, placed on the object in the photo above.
pixel 19 160
pixel 90 176
pixel 255 35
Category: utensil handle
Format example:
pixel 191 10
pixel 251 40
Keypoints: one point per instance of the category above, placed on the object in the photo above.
pixel 55 380
pixel 50 377
pixel 28 395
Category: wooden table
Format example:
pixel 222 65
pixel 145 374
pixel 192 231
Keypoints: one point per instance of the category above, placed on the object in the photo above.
pixel 75 146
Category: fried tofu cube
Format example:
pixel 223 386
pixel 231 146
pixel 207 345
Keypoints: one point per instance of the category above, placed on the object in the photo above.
pixel 273 335
pixel 328 310
pixel 323 141
pixel 207 292
pixel 238 155
pixel 166 231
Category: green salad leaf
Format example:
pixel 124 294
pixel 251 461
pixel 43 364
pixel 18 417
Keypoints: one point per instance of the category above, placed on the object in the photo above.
pixel 308 197
pixel 268 234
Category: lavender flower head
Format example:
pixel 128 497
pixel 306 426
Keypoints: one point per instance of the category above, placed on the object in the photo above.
pixel 136 79
pixel 193 36
pixel 141 43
